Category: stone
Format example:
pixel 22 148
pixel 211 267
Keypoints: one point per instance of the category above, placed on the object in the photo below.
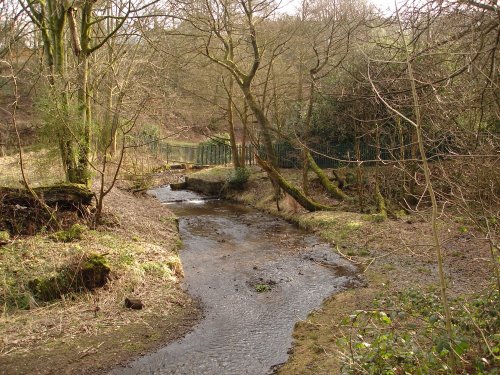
pixel 133 303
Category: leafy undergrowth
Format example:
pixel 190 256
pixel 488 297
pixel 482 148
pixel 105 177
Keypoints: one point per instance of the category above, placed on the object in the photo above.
pixel 354 332
pixel 139 244
pixel 405 334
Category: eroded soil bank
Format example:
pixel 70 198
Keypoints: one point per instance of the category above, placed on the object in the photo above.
pixel 256 276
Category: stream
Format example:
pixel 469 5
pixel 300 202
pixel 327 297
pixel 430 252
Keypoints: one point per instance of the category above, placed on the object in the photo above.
pixel 255 275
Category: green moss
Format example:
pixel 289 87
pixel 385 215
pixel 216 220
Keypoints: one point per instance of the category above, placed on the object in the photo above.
pixel 261 288
pixel 95 260
pixel 74 233
pixel 4 236
pixel 334 191
pixel 88 273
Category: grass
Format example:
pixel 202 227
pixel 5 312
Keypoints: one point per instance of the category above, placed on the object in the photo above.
pixel 131 260
pixel 143 268
pixel 41 168
pixel 214 174
pixel 140 244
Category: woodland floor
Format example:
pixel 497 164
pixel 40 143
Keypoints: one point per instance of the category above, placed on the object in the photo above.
pixel 92 332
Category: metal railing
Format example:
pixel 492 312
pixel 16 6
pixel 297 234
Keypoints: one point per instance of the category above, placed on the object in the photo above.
pixel 288 155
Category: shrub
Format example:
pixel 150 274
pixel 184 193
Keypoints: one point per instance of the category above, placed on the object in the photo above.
pixel 238 177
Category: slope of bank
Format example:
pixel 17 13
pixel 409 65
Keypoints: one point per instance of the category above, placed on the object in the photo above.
pixel 397 259
pixel 88 333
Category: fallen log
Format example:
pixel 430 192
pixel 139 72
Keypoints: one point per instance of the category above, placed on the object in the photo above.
pixel 23 213
pixel 60 195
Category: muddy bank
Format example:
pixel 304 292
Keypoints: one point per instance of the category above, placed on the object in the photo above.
pixel 256 276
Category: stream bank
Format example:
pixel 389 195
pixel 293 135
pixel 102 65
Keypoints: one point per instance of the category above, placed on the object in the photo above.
pixel 395 256
pixel 91 332
pixel 255 276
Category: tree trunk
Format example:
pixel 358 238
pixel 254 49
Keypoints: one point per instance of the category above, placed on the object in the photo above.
pixel 230 123
pixel 333 190
pixel 309 161
pixel 291 190
pixel 79 173
pixel 244 135
pixel 378 195
pixel 264 124
pixel 401 156
pixel 359 170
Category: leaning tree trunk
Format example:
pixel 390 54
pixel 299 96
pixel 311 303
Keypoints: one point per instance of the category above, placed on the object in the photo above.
pixel 291 190
pixel 308 160
pixel 333 190
pixel 265 126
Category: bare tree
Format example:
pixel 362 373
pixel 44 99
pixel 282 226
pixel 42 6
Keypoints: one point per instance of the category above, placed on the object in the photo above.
pixel 55 19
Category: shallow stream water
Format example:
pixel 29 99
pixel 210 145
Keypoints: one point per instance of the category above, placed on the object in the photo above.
pixel 255 275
